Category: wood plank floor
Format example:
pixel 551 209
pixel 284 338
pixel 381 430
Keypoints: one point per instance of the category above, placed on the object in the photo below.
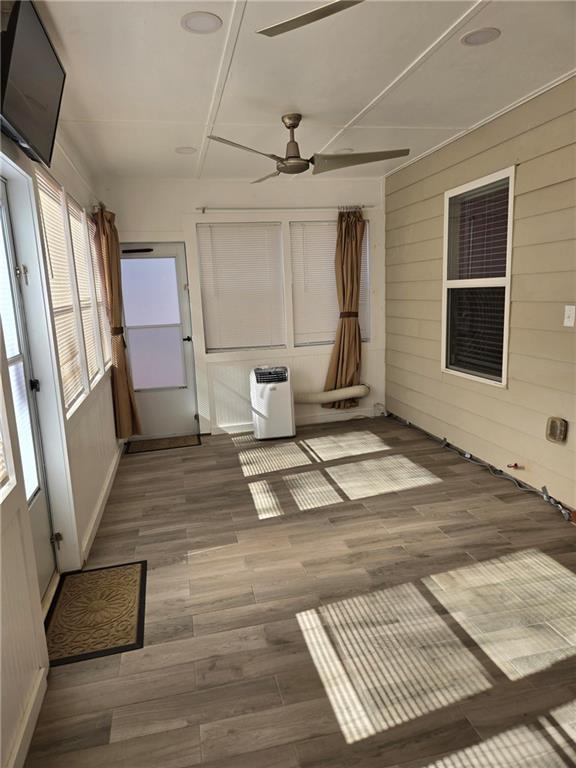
pixel 294 621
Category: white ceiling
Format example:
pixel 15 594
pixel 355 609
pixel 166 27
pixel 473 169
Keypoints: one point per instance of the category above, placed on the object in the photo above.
pixel 382 75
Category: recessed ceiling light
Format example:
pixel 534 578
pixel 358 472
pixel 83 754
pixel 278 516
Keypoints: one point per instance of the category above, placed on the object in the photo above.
pixel 186 150
pixel 481 36
pixel 201 22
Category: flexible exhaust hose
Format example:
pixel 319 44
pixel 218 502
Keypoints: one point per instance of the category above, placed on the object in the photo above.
pixel 333 396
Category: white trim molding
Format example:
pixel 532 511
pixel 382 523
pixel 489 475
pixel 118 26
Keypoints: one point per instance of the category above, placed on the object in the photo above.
pixel 485 282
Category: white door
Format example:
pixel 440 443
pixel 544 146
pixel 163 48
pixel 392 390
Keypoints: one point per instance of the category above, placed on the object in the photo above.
pixel 23 397
pixel 158 332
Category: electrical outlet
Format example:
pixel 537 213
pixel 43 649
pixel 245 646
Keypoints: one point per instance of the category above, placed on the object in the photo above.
pixel 379 409
pixel 569 315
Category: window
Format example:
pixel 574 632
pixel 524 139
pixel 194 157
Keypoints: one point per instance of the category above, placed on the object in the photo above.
pixel 75 290
pixel 241 276
pixel 98 269
pixel 60 278
pixel 478 221
pixel 315 302
pixel 4 475
pixel 85 284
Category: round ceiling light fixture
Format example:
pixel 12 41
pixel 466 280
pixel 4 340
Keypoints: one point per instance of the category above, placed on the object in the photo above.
pixel 201 22
pixel 186 150
pixel 481 36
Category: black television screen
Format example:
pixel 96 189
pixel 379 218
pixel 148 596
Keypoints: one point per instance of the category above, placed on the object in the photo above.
pixel 32 81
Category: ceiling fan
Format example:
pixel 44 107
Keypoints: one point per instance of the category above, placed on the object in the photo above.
pixel 307 18
pixel 292 162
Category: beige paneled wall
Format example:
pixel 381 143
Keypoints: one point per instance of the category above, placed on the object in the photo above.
pixel 500 425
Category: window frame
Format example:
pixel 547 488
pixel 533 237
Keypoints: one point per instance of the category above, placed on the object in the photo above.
pixel 283 216
pixel 483 282
pixel 88 385
pixel 284 273
pixel 367 236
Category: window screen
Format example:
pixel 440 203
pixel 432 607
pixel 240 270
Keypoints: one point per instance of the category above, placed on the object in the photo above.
pixel 85 284
pixel 98 268
pixel 476 279
pixel 61 282
pixel 242 285
pixel 313 250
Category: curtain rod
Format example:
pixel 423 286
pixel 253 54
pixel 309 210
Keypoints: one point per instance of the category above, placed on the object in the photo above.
pixel 204 208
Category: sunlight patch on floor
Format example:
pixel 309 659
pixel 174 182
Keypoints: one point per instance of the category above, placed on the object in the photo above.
pixel 311 490
pixel 387 658
pixel 330 447
pixel 265 500
pixel 518 608
pixel 259 461
pixel 524 747
pixel 388 474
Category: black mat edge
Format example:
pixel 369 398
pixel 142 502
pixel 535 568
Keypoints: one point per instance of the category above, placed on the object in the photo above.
pixel 139 642
pixel 128 452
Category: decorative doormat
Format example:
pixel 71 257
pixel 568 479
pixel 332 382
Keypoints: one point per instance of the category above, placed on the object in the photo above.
pixel 97 613
pixel 162 443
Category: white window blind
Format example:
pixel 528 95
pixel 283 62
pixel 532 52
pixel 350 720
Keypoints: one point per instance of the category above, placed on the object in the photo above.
pixel 84 281
pixel 100 294
pixel 242 285
pixel 476 279
pixel 62 286
pixel 315 301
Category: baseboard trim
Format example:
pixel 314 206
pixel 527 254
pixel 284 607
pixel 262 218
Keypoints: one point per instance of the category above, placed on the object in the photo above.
pixel 99 511
pixel 27 724
pixel 331 415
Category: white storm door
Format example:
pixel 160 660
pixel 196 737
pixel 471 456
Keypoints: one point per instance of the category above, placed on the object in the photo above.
pixel 158 332
pixel 23 397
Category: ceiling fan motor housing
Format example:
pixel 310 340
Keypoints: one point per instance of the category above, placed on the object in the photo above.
pixel 292 163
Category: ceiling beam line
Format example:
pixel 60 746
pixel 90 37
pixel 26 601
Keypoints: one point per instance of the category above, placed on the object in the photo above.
pixel 478 6
pixel 228 51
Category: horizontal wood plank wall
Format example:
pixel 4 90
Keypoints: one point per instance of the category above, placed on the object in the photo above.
pixel 499 425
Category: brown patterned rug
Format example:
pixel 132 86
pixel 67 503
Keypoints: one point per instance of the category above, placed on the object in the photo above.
pixel 97 613
pixel 162 443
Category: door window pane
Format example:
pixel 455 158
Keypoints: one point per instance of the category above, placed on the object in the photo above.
pixel 6 304
pixel 24 427
pixel 150 292
pixel 156 357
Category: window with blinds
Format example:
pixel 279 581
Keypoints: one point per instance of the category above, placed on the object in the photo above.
pixel 315 301
pixel 98 268
pixel 4 476
pixel 476 277
pixel 85 284
pixel 62 287
pixel 241 277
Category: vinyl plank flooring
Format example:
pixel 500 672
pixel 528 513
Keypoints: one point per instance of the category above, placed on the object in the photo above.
pixel 227 678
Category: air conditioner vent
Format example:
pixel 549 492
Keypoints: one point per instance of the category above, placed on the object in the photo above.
pixel 271 375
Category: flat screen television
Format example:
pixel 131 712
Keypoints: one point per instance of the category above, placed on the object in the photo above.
pixel 32 81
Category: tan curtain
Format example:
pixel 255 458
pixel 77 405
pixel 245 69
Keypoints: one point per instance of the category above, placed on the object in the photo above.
pixel 125 411
pixel 344 367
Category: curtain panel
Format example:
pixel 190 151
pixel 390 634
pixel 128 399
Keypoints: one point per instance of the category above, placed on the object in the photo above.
pixel 344 366
pixel 125 411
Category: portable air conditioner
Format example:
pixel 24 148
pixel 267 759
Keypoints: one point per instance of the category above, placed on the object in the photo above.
pixel 272 402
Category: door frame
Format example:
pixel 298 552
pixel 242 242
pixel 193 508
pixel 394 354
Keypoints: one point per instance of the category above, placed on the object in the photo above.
pixel 17 278
pixel 140 250
pixel 19 173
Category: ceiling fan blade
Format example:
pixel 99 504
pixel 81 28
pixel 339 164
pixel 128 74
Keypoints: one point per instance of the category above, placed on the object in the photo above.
pixel 307 18
pixel 247 149
pixel 323 163
pixel 270 176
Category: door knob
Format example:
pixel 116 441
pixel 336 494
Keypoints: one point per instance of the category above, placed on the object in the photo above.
pixel 187 338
